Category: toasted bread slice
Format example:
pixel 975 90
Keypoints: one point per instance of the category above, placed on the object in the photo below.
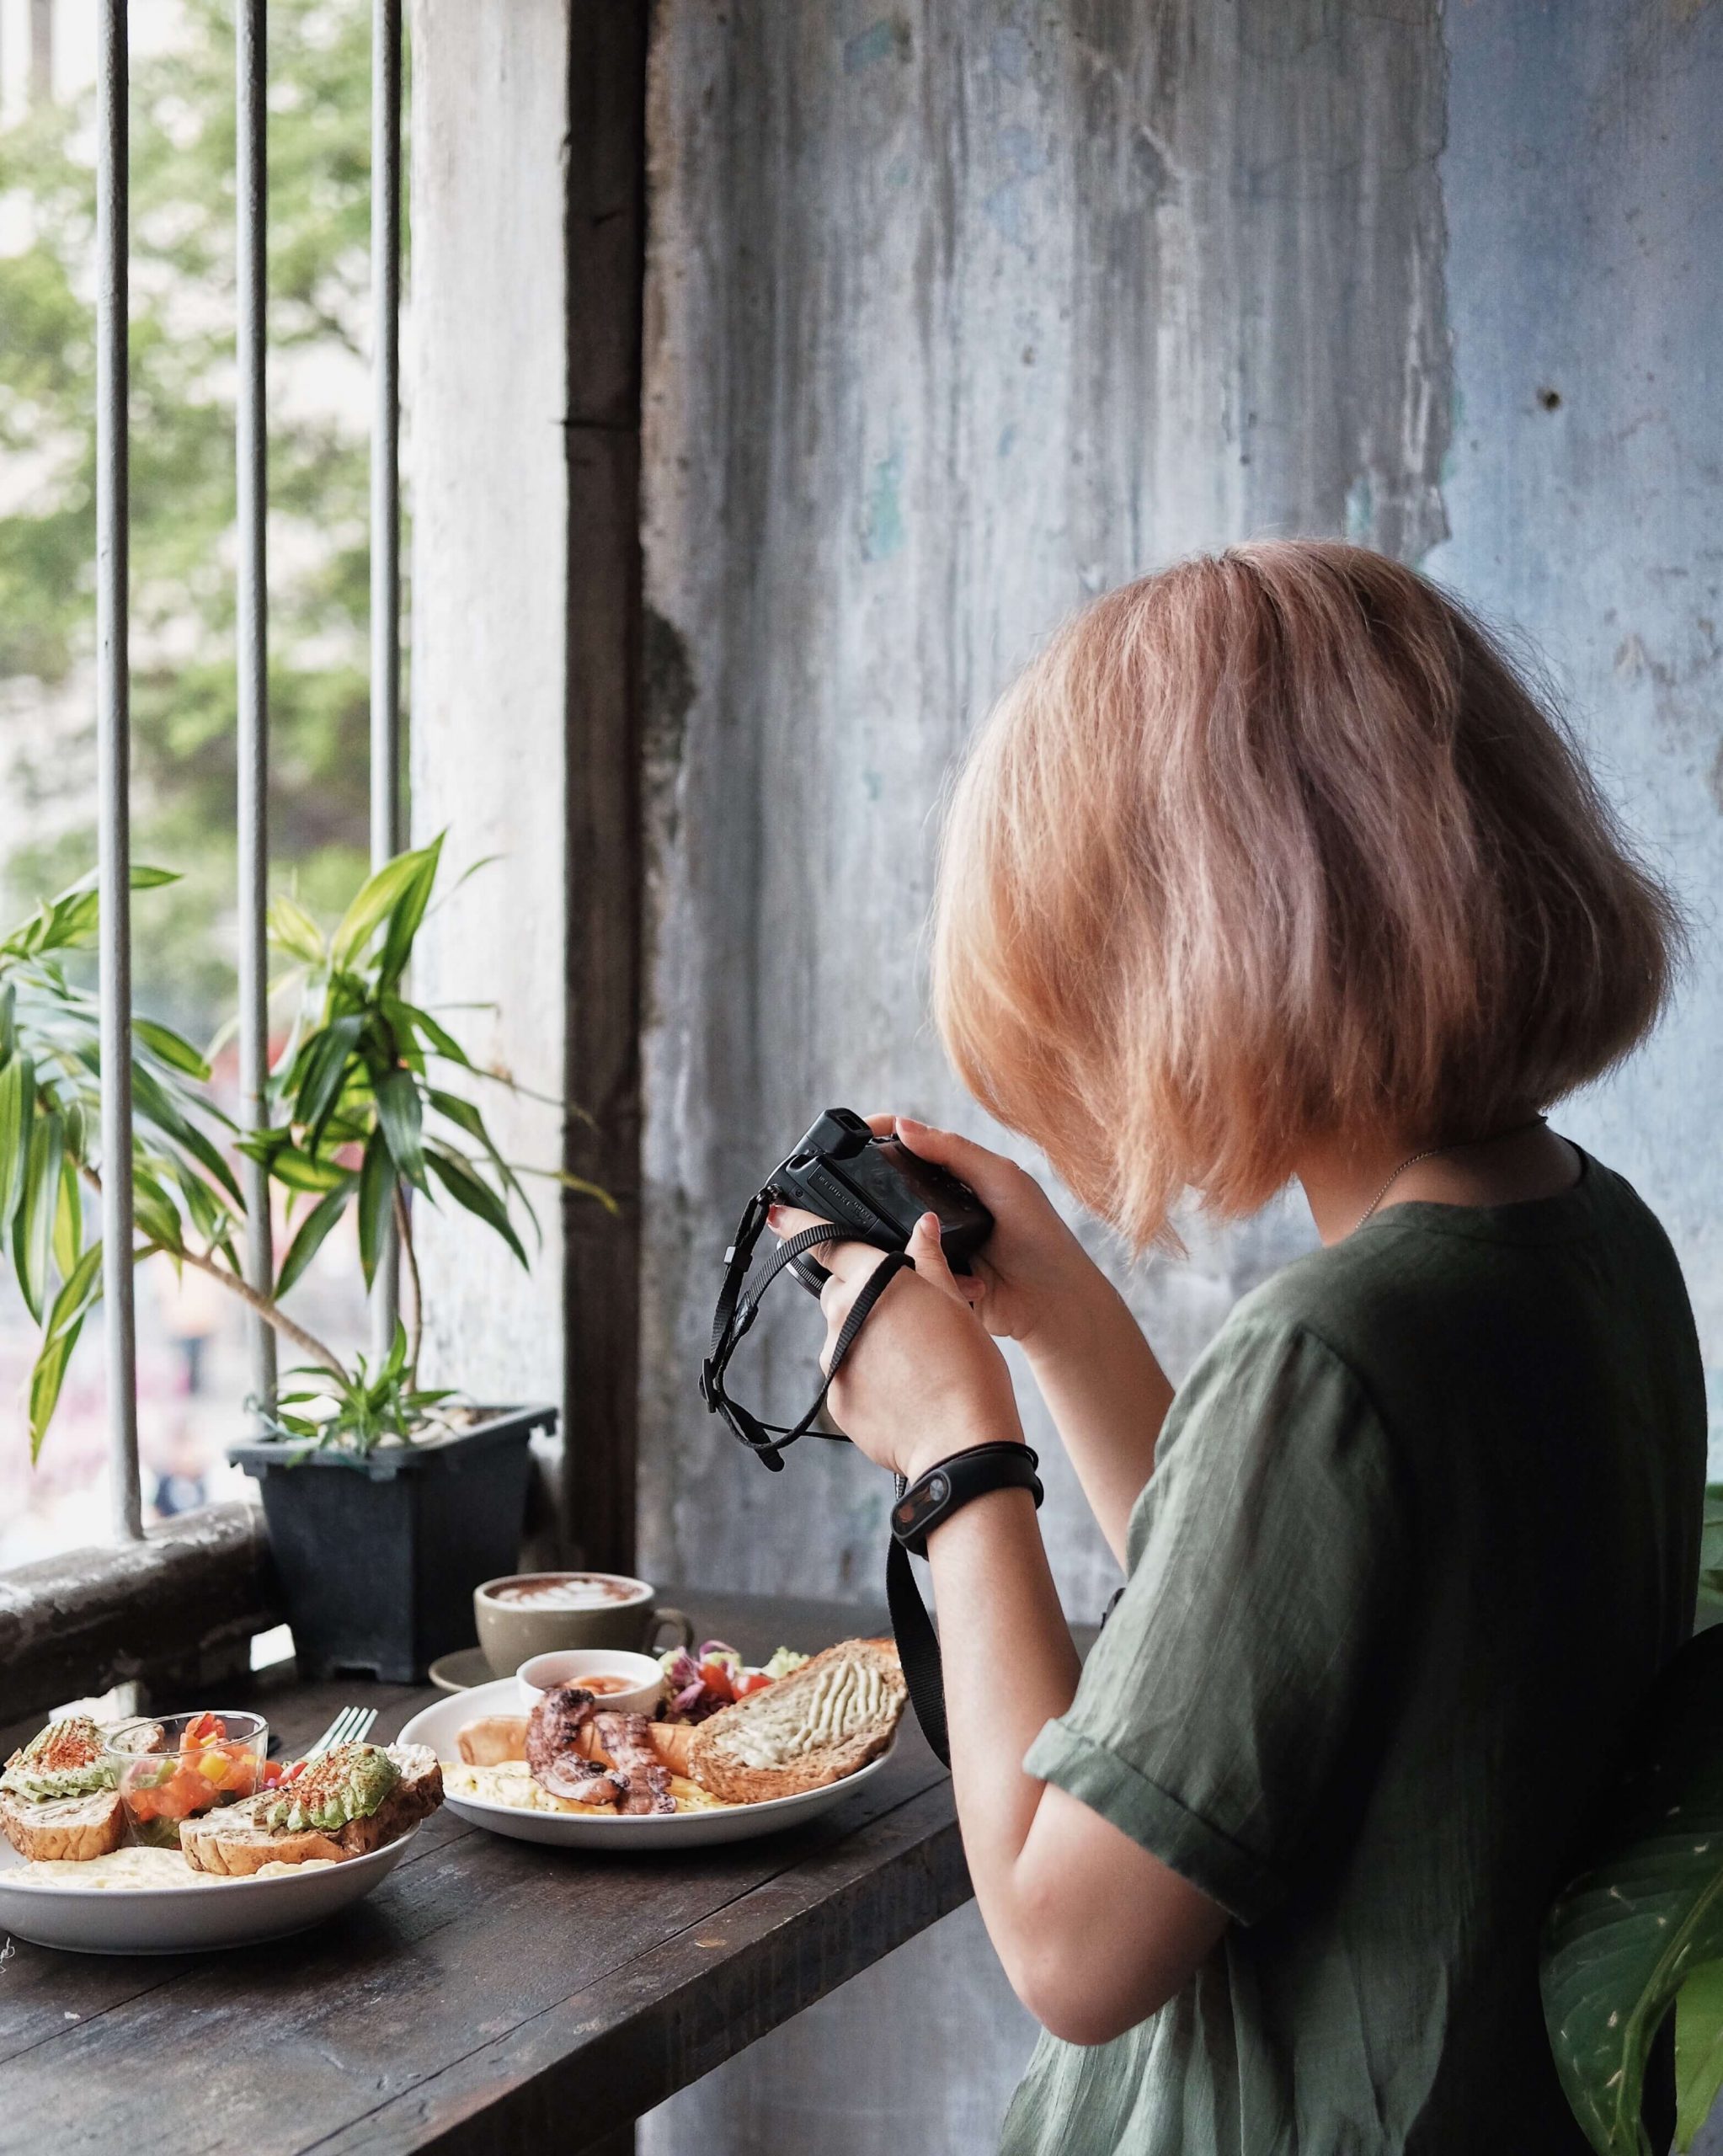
pixel 235 1842
pixel 823 1721
pixel 69 1830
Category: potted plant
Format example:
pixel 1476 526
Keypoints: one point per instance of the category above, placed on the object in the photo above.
pixel 1633 1949
pixel 386 1501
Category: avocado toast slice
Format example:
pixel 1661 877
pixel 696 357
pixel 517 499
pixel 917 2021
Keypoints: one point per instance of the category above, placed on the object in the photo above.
pixel 823 1720
pixel 58 1799
pixel 350 1802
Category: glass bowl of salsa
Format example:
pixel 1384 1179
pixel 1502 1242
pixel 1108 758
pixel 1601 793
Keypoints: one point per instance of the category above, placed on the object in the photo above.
pixel 167 1767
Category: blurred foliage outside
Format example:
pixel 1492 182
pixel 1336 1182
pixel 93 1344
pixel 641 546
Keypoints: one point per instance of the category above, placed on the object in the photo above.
pixel 183 486
pixel 193 1369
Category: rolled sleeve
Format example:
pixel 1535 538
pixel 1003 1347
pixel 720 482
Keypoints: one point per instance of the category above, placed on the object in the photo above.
pixel 1242 1885
pixel 1245 1669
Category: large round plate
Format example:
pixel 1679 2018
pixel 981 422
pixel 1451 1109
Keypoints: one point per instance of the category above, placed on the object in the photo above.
pixel 440 1726
pixel 185 1919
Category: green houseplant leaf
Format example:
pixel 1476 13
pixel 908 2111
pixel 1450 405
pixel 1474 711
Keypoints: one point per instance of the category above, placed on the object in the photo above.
pixel 1628 1933
pixel 68 1217
pixel 18 1099
pixel 1711 1605
pixel 377 1198
pixel 408 913
pixel 465 1186
pixel 33 1228
pixel 1698 2051
pixel 375 898
pixel 170 1047
pixel 294 933
pixel 312 1231
pixel 324 1072
pixel 83 1285
pixel 401 1114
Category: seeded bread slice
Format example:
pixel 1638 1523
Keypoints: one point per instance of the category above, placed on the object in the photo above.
pixel 67 1830
pixel 823 1721
pixel 234 1841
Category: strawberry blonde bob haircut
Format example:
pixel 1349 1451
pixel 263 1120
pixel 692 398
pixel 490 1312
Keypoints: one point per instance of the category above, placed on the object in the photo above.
pixel 1275 846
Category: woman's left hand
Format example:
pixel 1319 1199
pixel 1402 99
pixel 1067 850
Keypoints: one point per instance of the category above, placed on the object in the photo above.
pixel 924 1378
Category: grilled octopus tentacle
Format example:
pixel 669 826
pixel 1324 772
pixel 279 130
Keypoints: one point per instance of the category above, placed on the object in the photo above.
pixel 626 1738
pixel 552 1737
pixel 582 1780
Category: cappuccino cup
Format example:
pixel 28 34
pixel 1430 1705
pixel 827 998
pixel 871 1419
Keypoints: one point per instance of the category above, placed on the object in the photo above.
pixel 527 1614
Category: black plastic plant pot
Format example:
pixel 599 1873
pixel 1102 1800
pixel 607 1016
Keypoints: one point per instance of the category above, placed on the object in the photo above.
pixel 378 1557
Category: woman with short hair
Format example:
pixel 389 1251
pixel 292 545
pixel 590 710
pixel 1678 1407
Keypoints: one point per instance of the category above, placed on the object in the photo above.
pixel 1272 869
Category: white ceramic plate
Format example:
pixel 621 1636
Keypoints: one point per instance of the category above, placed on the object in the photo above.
pixel 440 1726
pixel 185 1919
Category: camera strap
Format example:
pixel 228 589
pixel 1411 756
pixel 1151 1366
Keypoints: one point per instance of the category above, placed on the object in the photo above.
pixel 918 1646
pixel 918 1643
pixel 736 1313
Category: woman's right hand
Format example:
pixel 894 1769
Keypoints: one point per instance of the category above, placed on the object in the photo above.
pixel 1032 1274
pixel 1034 1283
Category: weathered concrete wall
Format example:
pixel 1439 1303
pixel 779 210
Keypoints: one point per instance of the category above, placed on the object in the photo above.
pixel 955 316
pixel 486 373
pixel 1583 181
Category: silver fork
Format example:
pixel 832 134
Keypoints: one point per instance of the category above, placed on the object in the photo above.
pixel 352 1725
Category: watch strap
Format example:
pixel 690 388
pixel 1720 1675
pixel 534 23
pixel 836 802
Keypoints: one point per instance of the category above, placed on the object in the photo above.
pixel 953 1483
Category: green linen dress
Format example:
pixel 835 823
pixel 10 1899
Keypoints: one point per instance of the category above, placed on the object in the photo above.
pixel 1423 1525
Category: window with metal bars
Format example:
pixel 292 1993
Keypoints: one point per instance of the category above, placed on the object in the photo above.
pixel 115 1036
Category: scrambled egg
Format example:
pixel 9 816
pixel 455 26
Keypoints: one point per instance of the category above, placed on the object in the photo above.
pixel 143 1868
pixel 512 1784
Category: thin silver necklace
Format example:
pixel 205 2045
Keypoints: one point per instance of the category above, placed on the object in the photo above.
pixel 1433 1152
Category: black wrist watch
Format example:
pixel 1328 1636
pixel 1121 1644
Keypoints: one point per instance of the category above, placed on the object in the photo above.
pixel 922 1505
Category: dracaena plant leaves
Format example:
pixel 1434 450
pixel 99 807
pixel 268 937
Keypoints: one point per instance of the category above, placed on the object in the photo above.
pixel 50 1116
pixel 357 1122
pixel 1642 1927
pixel 362 1118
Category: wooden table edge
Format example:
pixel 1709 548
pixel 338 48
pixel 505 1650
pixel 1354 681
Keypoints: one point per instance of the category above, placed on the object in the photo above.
pixel 613 2050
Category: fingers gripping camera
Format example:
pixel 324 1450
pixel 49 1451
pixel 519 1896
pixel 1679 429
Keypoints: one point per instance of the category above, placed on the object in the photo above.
pixel 873 1190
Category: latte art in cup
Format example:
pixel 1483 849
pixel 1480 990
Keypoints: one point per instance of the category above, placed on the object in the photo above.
pixel 564 1591
pixel 528 1613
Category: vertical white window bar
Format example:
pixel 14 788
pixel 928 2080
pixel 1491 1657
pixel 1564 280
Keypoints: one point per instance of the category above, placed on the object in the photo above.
pixel 385 820
pixel 251 181
pixel 114 763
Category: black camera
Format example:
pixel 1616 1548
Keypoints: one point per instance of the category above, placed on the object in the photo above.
pixel 875 1189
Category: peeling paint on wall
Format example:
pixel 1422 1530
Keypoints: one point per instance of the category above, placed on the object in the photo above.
pixel 945 335
pixel 951 325
pixel 883 515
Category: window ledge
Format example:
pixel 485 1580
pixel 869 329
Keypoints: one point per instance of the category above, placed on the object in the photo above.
pixel 180 1607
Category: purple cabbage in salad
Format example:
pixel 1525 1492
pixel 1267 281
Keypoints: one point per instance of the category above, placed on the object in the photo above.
pixel 693 1696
